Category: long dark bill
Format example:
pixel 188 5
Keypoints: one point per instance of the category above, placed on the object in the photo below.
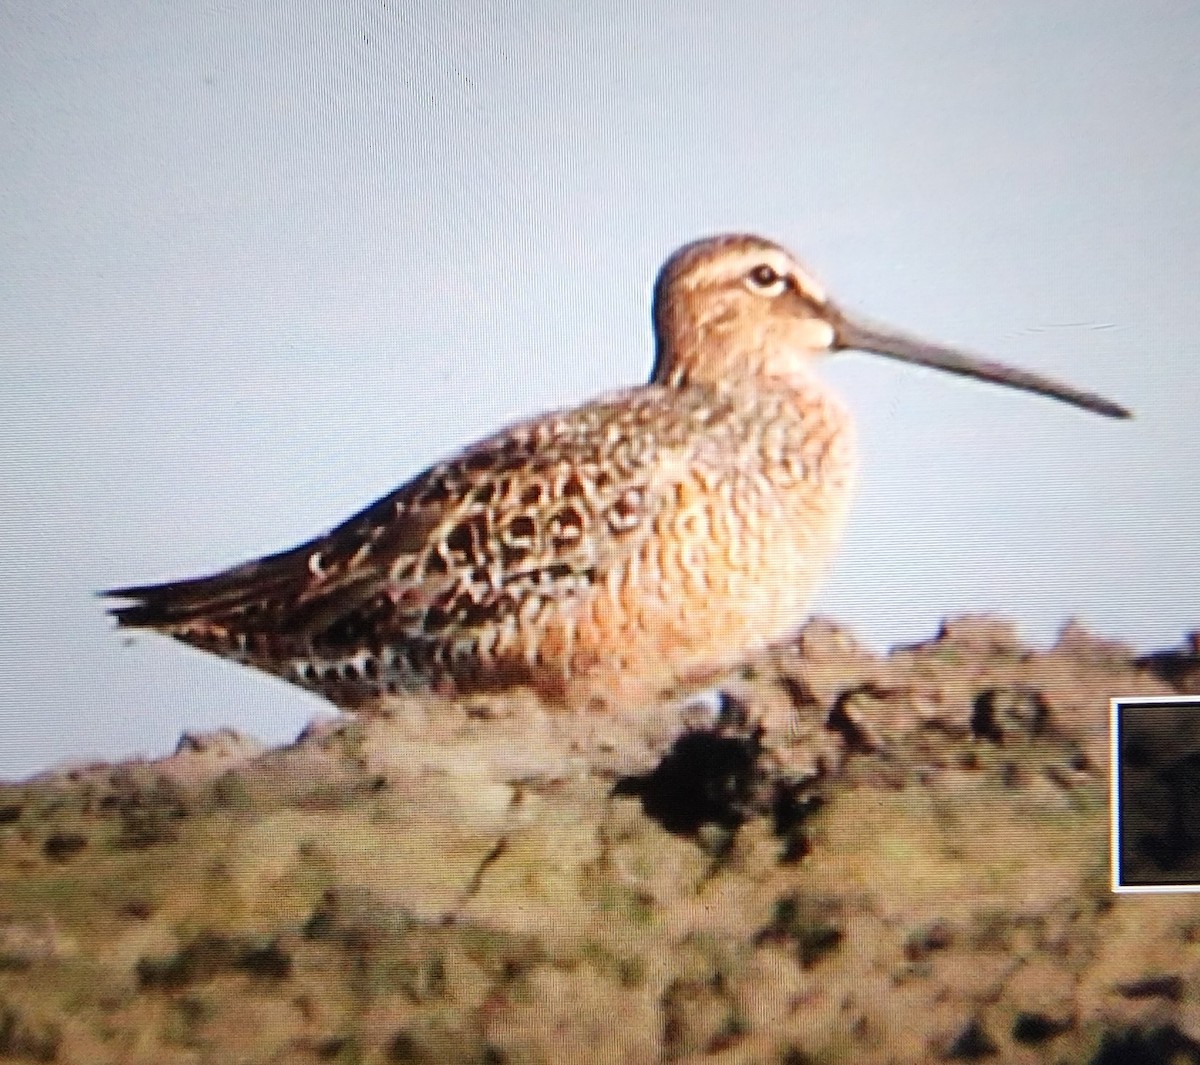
pixel 862 336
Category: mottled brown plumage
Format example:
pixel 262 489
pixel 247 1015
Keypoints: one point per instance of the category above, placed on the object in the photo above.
pixel 628 548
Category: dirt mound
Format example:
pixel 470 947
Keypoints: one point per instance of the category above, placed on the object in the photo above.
pixel 844 858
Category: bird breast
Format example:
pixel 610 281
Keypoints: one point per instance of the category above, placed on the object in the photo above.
pixel 783 489
pixel 750 503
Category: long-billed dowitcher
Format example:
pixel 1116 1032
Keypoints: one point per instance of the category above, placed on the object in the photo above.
pixel 630 547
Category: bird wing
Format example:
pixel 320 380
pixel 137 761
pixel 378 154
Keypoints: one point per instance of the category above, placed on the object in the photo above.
pixel 540 510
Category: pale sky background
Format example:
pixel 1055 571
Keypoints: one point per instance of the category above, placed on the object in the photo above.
pixel 263 262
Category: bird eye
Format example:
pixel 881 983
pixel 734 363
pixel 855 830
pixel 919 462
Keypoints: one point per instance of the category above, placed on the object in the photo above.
pixel 766 279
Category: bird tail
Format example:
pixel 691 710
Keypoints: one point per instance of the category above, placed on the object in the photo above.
pixel 242 595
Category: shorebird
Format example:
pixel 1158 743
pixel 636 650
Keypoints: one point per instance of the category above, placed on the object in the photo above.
pixel 627 549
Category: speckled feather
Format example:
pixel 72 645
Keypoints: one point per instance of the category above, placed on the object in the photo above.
pixel 503 564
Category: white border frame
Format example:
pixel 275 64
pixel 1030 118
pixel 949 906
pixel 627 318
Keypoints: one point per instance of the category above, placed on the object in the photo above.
pixel 1114 792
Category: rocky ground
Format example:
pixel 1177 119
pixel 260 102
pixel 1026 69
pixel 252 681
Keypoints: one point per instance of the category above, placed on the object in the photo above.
pixel 847 858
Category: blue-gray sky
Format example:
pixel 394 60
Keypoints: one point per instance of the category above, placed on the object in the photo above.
pixel 263 262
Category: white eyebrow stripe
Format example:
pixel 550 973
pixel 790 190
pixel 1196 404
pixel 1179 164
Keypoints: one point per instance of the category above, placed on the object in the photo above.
pixel 809 288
